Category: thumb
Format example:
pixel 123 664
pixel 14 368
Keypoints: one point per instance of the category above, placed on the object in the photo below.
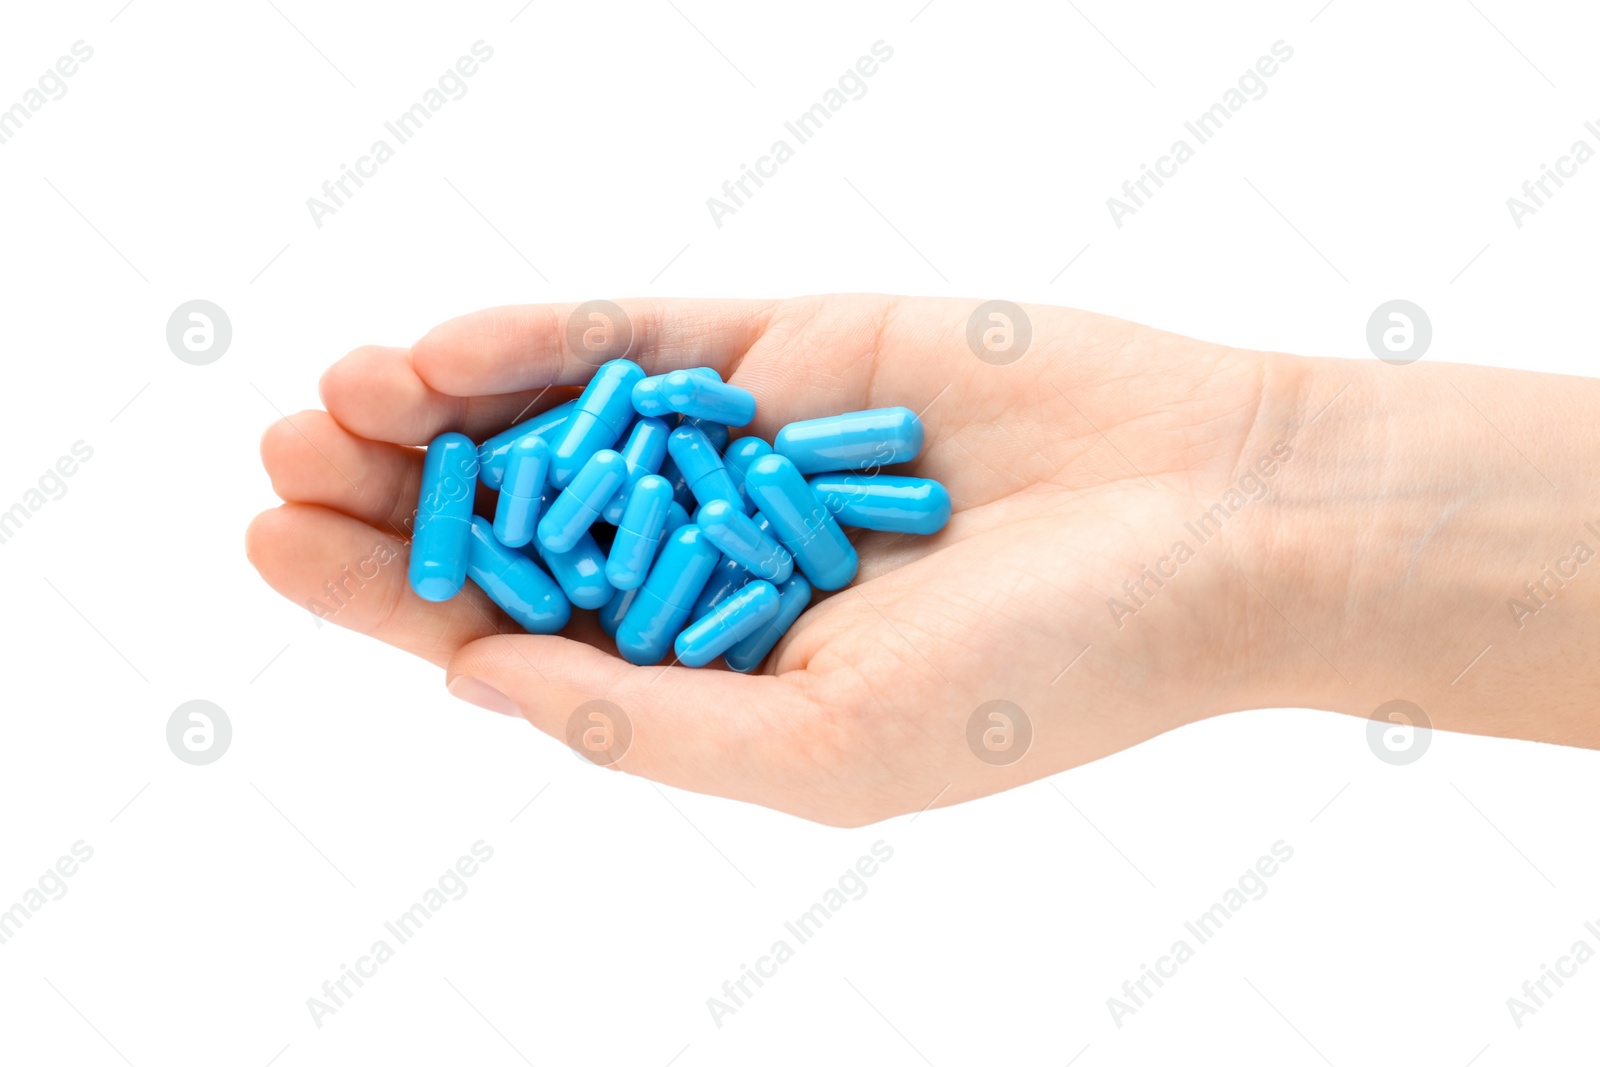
pixel 712 731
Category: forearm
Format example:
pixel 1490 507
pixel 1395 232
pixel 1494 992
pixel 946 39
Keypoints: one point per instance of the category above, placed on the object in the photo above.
pixel 1436 538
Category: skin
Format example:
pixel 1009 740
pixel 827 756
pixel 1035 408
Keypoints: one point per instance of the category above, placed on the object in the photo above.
pixel 1404 510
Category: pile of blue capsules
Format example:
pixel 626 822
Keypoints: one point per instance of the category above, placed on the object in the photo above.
pixel 716 545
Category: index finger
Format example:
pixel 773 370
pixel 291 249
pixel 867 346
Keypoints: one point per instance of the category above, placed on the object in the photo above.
pixel 510 349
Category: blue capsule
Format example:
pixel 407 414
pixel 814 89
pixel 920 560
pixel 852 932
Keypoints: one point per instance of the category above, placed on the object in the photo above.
pixel 645 449
pixel 680 485
pixel 702 468
pixel 716 432
pixel 578 506
pixel 738 456
pixel 718 546
pixel 892 503
pixel 612 611
pixel 639 533
pixel 518 584
pixel 649 400
pixel 736 618
pixel 517 508
pixel 581 571
pixel 727 578
pixel 746 656
pixel 801 523
pixel 598 421
pixel 860 440
pixel 496 451
pixel 443 527
pixel 700 397
pixel 662 606
pixel 738 537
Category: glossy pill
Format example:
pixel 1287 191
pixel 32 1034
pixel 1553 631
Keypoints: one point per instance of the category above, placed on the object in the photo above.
pixel 578 506
pixel 648 398
pixel 680 486
pixel 644 450
pixel 738 537
pixel 717 433
pixel 443 528
pixel 892 503
pixel 598 421
pixel 662 606
pixel 516 583
pixel 738 456
pixel 676 517
pixel 496 451
pixel 639 533
pixel 727 578
pixel 697 396
pixel 860 440
pixel 801 523
pixel 581 571
pixel 736 618
pixel 516 510
pixel 612 611
pixel 701 466
pixel 793 597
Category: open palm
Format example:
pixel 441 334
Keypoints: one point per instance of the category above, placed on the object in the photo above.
pixel 1070 468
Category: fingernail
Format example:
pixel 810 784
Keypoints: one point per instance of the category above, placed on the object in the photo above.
pixel 476 691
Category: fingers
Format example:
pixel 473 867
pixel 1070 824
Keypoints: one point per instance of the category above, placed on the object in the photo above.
pixel 311 459
pixel 346 572
pixel 710 731
pixel 511 349
pixel 376 393
pixel 801 358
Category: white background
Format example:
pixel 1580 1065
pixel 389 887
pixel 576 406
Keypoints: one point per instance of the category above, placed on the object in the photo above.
pixel 219 898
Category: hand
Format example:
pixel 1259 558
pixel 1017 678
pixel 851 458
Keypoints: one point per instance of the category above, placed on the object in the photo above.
pixel 1071 470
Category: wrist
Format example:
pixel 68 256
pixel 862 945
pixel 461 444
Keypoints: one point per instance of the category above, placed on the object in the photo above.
pixel 1421 505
